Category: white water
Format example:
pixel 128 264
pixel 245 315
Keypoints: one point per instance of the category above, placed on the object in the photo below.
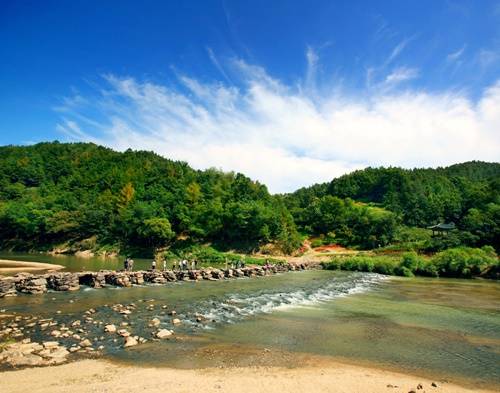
pixel 235 307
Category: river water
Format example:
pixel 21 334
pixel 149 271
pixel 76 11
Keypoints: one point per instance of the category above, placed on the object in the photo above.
pixel 442 328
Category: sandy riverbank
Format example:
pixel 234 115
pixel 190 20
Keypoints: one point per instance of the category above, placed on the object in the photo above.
pixel 11 267
pixel 104 376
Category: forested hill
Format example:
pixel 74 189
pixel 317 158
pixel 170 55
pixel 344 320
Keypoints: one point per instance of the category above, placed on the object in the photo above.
pixel 467 194
pixel 90 197
pixel 52 193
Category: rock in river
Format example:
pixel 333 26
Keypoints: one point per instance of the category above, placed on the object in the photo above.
pixel 130 341
pixel 110 328
pixel 163 333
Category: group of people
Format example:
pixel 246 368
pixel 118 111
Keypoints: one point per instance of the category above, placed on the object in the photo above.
pixel 184 264
pixel 181 265
pixel 128 264
pixel 239 264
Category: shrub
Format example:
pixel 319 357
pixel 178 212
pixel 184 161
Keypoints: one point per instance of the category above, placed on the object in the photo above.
pixel 464 261
pixel 403 271
pixel 456 262
pixel 411 261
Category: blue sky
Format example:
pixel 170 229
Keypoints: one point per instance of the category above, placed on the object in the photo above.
pixel 288 92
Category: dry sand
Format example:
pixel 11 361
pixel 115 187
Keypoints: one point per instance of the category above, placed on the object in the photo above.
pixel 104 376
pixel 9 266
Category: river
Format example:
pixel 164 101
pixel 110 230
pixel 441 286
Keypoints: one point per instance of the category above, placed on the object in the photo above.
pixel 439 328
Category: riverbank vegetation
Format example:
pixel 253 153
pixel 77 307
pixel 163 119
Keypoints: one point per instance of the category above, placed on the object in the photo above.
pixel 462 262
pixel 74 197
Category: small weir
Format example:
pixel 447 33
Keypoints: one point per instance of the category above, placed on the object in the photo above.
pixel 68 281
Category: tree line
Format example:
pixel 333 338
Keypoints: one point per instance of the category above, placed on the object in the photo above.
pixel 398 203
pixel 88 196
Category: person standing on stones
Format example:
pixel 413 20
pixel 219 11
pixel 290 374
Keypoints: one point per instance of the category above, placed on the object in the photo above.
pixel 153 265
pixel 130 265
pixel 164 264
pixel 125 264
pixel 174 265
pixel 193 265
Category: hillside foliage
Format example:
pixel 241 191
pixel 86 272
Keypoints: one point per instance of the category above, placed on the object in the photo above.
pixel 466 194
pixel 53 193
pixel 90 196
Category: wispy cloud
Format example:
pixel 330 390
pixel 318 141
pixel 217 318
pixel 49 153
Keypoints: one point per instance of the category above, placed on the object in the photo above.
pixel 283 135
pixel 397 50
pixel 488 57
pixel 218 65
pixel 312 64
pixel 454 56
pixel 401 74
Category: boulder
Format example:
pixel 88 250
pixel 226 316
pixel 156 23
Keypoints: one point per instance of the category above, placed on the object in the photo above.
pixel 58 355
pixel 110 328
pixel 155 322
pixel 163 333
pixel 32 285
pixel 119 279
pixel 123 332
pixel 85 343
pixel 130 342
pixel 63 281
pixel 92 279
pixel 25 360
pixel 136 278
pixel 50 344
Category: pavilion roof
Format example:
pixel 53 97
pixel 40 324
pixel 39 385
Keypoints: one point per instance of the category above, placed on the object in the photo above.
pixel 442 226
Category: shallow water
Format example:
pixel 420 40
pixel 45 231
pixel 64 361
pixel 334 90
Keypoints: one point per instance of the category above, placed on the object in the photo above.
pixel 434 327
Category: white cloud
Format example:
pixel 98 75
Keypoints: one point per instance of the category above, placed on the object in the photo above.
pixel 284 136
pixel 401 74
